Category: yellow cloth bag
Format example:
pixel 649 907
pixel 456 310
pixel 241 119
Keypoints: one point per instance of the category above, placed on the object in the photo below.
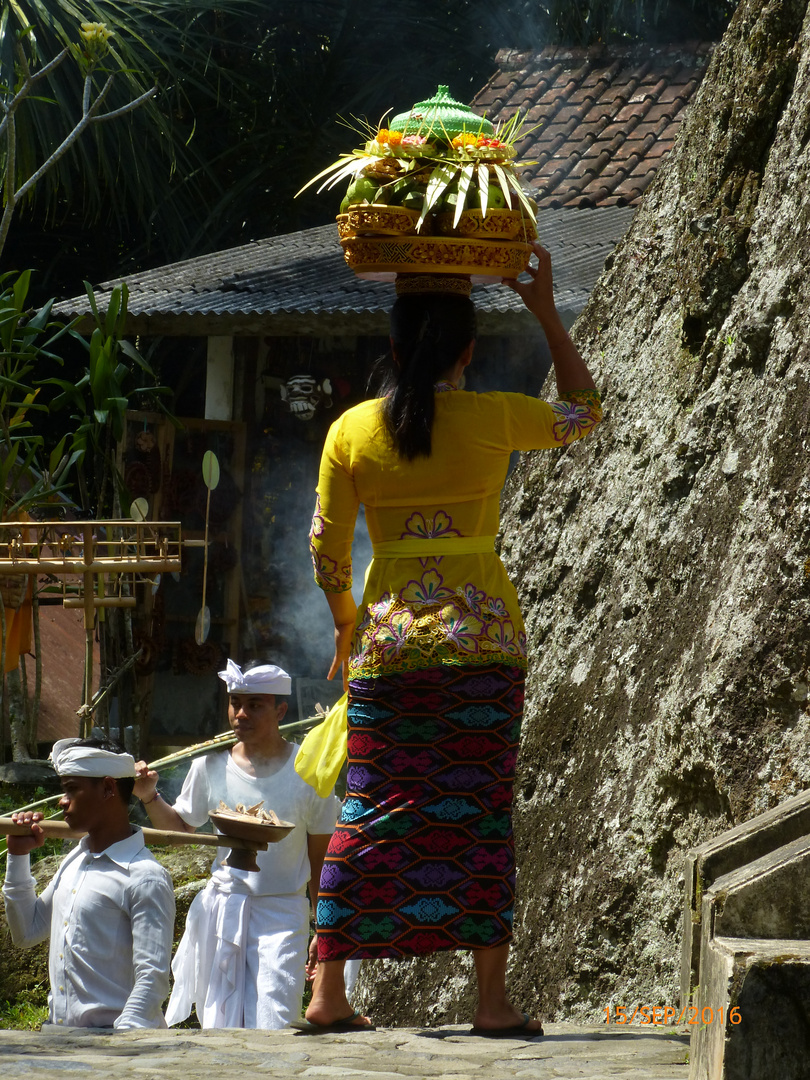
pixel 323 751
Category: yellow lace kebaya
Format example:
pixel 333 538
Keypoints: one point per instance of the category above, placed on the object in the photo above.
pixel 435 592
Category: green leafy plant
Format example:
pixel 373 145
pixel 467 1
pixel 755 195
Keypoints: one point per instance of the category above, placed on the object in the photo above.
pixel 28 1011
pixel 99 400
pixel 26 340
pixel 21 80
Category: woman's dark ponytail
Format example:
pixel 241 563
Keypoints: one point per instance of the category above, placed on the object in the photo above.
pixel 430 332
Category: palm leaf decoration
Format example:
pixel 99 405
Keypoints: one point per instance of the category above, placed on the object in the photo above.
pixel 504 182
pixel 483 185
pixel 441 177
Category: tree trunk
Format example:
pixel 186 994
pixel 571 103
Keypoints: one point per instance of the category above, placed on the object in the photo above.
pixel 663 564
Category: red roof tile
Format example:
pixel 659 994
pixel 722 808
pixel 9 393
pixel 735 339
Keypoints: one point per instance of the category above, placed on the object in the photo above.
pixel 604 117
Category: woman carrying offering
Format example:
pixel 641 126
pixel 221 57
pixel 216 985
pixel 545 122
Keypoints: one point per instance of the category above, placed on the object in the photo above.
pixel 435 658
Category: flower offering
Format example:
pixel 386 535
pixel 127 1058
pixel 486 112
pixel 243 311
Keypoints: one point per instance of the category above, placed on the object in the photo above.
pixel 442 179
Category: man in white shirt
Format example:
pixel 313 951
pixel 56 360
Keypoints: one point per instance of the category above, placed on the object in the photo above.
pixel 242 958
pixel 109 909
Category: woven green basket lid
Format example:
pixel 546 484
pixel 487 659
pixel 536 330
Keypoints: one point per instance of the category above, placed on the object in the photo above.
pixel 441 114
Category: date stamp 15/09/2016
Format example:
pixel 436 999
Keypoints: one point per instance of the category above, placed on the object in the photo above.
pixel 666 1015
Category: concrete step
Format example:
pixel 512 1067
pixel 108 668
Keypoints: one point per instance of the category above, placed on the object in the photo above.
pixel 732 849
pixel 445 1053
pixel 752 1011
pixel 766 898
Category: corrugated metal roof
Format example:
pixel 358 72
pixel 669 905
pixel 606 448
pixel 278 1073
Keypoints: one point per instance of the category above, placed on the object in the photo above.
pixel 602 117
pixel 298 283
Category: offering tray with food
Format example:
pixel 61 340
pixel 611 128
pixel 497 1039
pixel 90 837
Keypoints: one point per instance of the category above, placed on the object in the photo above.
pixel 252 824
pixel 435 192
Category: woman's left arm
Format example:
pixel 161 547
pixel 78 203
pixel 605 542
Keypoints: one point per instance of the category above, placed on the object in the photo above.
pixel 331 542
pixel 344 615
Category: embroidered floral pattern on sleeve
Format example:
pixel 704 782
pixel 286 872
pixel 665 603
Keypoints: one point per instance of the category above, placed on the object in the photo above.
pixel 429 623
pixel 327 575
pixel 577 411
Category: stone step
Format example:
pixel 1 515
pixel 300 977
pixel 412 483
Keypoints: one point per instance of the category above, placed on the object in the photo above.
pixel 443 1053
pixel 747 842
pixel 766 898
pixel 752 1011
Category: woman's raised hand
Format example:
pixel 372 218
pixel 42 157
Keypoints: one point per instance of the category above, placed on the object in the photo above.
pixel 570 369
pixel 537 294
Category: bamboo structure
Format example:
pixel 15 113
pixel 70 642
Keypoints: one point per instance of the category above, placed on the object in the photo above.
pixel 91 550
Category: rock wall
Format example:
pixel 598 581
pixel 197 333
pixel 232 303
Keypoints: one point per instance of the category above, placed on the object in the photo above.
pixel 664 563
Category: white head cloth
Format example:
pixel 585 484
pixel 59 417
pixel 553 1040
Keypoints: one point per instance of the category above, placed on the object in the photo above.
pixel 264 679
pixel 71 760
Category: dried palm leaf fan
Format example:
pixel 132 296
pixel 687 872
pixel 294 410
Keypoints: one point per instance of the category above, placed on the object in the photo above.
pixel 434 193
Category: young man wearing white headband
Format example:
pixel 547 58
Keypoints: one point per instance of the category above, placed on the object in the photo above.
pixel 242 958
pixel 109 909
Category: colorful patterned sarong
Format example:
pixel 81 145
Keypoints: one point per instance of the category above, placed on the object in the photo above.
pixel 423 857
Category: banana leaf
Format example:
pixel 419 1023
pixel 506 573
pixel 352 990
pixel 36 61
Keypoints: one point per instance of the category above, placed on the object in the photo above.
pixel 483 186
pixel 440 178
pixel 502 180
pixel 467 173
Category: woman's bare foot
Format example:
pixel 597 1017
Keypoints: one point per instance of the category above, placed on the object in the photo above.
pixel 505 1016
pixel 495 1011
pixel 329 1004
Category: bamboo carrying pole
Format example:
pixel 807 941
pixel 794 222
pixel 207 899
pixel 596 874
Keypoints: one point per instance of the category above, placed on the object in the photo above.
pixel 60 830
pixel 242 854
pixel 219 742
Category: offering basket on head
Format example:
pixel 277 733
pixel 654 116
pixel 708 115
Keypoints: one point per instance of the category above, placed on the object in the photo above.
pixel 435 193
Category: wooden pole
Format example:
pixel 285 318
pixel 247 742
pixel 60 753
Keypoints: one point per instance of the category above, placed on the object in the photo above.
pixel 155 837
pixel 89 622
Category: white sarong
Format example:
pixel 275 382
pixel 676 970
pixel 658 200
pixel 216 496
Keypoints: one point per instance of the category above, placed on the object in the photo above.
pixel 241 959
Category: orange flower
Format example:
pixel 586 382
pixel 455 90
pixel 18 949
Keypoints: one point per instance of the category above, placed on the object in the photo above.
pixel 464 140
pixel 383 136
pixel 394 138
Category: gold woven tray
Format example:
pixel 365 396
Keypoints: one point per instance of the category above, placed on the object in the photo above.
pixel 497 225
pixel 378 220
pixel 483 260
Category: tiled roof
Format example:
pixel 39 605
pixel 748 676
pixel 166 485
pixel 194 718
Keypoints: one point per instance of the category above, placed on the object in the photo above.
pixel 299 284
pixel 603 116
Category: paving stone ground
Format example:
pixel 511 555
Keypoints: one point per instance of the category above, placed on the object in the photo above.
pixel 449 1053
